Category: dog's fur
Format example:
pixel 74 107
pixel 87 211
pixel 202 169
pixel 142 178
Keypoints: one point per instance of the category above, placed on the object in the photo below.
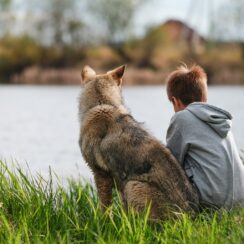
pixel 118 150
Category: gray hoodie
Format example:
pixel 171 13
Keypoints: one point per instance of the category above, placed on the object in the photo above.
pixel 200 137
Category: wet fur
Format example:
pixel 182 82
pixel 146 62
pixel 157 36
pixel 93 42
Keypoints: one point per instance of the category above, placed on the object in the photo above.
pixel 120 151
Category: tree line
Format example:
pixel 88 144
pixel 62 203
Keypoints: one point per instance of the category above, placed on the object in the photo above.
pixel 70 22
pixel 61 33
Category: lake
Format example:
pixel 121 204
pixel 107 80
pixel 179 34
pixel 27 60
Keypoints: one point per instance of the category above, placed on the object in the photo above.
pixel 39 125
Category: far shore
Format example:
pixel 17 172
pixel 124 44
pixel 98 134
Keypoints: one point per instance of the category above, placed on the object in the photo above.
pixel 133 76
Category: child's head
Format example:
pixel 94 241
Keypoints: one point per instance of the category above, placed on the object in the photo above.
pixel 185 86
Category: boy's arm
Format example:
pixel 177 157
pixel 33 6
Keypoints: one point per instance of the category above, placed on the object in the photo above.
pixel 176 141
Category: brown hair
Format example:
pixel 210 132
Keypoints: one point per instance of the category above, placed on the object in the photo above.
pixel 188 85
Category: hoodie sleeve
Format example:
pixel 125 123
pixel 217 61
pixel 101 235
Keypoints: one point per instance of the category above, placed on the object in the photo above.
pixel 175 139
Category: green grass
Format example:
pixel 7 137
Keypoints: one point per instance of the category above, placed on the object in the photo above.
pixel 33 210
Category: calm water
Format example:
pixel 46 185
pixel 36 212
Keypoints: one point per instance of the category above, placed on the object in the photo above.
pixel 39 125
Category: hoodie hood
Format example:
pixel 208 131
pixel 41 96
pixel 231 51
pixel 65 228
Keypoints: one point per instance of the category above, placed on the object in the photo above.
pixel 218 119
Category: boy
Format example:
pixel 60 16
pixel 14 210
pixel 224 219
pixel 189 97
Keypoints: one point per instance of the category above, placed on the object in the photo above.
pixel 200 137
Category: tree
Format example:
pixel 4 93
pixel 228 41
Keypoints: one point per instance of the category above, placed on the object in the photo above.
pixel 239 19
pixel 115 17
pixel 229 23
pixel 4 4
pixel 61 22
pixel 4 15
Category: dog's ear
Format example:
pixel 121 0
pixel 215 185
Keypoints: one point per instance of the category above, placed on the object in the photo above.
pixel 87 73
pixel 118 73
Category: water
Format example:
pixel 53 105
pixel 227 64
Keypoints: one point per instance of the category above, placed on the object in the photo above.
pixel 39 125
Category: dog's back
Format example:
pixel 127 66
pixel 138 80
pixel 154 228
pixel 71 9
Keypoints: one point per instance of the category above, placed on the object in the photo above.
pixel 118 149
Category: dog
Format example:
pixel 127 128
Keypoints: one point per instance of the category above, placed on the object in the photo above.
pixel 121 153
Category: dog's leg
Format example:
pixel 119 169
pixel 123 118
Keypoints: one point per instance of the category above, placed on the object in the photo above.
pixel 104 184
pixel 139 195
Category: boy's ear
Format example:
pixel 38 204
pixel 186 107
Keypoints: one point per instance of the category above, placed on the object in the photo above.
pixel 118 73
pixel 178 104
pixel 174 100
pixel 87 73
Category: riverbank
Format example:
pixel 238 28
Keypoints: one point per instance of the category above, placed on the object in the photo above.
pixel 72 76
pixel 133 76
pixel 33 210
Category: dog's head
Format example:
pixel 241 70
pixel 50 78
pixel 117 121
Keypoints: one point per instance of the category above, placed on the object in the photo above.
pixel 101 88
pixel 114 76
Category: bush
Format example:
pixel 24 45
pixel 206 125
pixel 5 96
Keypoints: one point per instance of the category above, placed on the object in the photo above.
pixel 16 54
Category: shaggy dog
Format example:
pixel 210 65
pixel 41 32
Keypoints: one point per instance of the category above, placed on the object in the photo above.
pixel 121 153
